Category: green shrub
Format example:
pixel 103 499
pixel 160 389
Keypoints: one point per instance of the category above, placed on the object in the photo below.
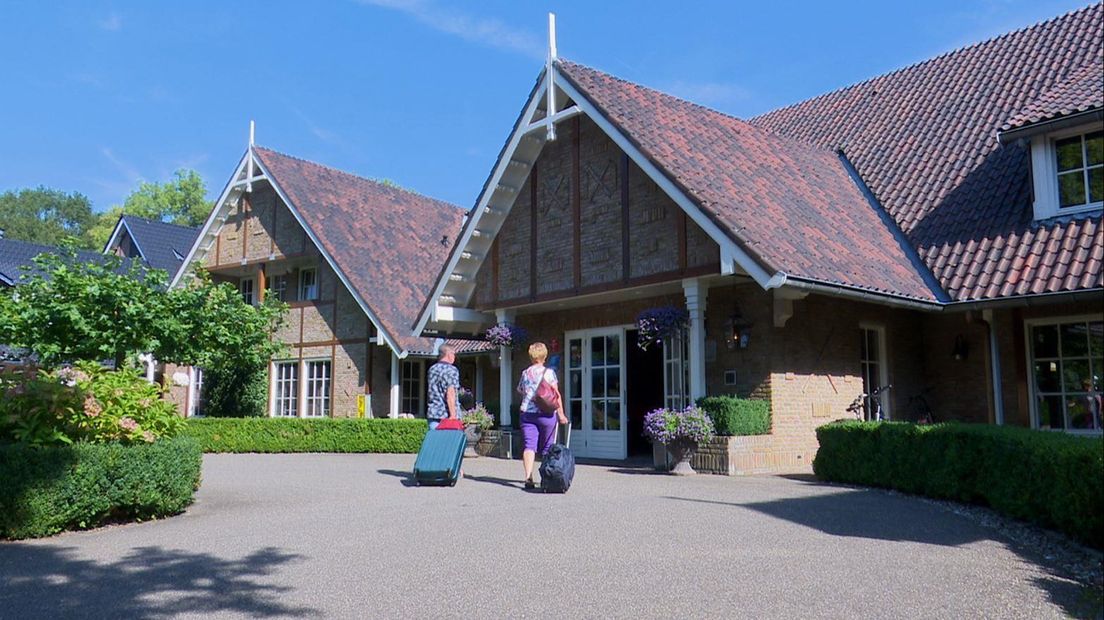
pixel 86 403
pixel 235 390
pixel 737 416
pixel 306 435
pixel 1052 479
pixel 47 489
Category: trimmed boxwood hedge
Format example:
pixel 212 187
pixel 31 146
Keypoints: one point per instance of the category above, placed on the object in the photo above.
pixel 306 435
pixel 44 490
pixel 737 416
pixel 1053 479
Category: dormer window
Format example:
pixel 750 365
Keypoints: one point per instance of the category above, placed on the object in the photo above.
pixel 1080 161
pixel 1068 171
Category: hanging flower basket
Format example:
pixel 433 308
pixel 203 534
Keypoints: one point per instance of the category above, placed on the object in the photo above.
pixel 505 335
pixel 681 431
pixel 655 324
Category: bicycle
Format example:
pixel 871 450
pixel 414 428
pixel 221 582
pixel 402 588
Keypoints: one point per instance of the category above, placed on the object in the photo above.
pixel 858 407
pixel 919 409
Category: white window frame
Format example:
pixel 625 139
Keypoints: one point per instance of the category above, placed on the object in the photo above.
pixel 883 365
pixel 275 384
pixel 195 392
pixel 308 292
pixel 417 382
pixel 310 403
pixel 279 292
pixel 248 289
pixel 1029 360
pixel 1044 170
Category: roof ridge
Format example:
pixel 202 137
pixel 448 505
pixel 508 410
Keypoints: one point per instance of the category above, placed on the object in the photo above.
pixel 926 61
pixel 393 186
pixel 159 222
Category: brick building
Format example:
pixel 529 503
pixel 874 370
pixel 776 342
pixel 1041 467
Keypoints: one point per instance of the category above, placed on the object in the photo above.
pixel 937 229
pixel 354 259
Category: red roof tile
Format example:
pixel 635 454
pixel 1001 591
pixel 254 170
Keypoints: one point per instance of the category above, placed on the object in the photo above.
pixel 389 242
pixel 1081 91
pixel 793 206
pixel 924 140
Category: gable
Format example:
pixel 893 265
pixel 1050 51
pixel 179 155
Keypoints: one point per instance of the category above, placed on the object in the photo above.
pixel 259 227
pixel 588 219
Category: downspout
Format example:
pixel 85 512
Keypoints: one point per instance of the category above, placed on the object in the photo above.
pixel 994 367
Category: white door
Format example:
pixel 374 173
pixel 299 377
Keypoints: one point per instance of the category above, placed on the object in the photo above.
pixel 595 392
pixel 676 374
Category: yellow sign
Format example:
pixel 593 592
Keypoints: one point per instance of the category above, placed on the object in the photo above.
pixel 361 405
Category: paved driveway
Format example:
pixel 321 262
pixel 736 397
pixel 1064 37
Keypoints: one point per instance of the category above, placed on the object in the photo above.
pixel 344 536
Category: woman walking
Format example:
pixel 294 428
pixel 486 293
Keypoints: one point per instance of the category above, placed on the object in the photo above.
pixel 538 428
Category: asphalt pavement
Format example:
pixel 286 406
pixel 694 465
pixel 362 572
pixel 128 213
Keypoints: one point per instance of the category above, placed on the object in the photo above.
pixel 348 536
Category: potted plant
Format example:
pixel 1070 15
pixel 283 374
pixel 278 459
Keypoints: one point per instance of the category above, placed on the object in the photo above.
pixel 505 335
pixel 655 324
pixel 476 420
pixel 681 431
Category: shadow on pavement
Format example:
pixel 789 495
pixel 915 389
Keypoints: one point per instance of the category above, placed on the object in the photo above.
pixel 1076 601
pixel 151 582
pixel 407 477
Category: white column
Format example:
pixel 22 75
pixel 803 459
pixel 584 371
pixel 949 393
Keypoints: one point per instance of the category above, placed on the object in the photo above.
pixel 696 292
pixel 505 374
pixel 396 386
pixel 479 378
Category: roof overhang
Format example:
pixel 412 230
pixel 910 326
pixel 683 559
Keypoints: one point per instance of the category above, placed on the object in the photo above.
pixel 1054 124
pixel 452 293
pixel 252 170
pixel 120 226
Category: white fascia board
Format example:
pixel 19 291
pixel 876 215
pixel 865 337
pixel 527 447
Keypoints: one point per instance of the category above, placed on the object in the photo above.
pixel 330 260
pixel 729 248
pixel 453 314
pixel 119 226
pixel 220 205
pixel 476 214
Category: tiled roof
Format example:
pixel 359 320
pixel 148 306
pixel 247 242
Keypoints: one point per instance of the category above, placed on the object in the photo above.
pixel 389 242
pixel 462 347
pixel 14 255
pixel 792 206
pixel 1082 91
pixel 924 140
pixel 163 245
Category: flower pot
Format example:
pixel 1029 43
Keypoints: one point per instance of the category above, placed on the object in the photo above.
pixel 681 451
pixel 473 433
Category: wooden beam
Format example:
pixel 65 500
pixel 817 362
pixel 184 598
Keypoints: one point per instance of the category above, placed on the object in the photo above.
pixel 533 232
pixel 562 115
pixel 246 214
pixel 576 207
pixel 494 270
pixel 682 261
pixel 261 283
pixel 624 217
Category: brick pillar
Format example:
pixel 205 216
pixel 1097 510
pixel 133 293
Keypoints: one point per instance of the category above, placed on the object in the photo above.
pixel 696 292
pixel 505 374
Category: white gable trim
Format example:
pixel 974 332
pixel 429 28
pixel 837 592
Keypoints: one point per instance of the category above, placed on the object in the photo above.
pixel 732 255
pixel 237 185
pixel 119 226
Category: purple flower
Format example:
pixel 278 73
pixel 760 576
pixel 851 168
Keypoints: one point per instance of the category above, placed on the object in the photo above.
pixel 505 335
pixel 655 324
pixel 669 425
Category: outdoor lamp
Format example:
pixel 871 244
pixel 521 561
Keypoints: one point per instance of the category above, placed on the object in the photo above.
pixel 737 331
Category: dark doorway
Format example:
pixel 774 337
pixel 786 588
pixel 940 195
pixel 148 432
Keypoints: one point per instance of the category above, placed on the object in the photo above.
pixel 643 390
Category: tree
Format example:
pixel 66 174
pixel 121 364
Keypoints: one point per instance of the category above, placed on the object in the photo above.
pixel 182 201
pixel 111 309
pixel 44 215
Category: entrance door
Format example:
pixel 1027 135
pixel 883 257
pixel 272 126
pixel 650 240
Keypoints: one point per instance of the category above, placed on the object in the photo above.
pixel 596 392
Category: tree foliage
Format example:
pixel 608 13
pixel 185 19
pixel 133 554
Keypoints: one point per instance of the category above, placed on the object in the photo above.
pixel 44 215
pixel 182 201
pixel 69 310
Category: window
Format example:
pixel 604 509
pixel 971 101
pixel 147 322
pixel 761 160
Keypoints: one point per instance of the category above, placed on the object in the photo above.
pixel 316 400
pixel 872 364
pixel 195 399
pixel 1080 162
pixel 1067 170
pixel 1067 363
pixel 277 286
pixel 246 288
pixel 286 389
pixel 308 284
pixel 413 392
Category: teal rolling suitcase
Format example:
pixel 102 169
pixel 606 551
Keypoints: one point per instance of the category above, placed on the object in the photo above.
pixel 439 459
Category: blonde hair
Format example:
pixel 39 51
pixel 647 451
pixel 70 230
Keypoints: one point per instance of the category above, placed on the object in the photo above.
pixel 538 352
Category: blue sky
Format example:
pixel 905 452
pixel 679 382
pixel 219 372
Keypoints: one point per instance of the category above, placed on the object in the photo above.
pixel 98 96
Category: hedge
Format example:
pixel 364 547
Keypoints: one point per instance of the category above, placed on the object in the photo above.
pixel 306 435
pixel 737 416
pixel 1052 479
pixel 44 490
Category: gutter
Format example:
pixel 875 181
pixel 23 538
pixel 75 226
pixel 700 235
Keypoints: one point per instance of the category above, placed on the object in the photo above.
pixel 1026 301
pixel 781 279
pixel 1078 118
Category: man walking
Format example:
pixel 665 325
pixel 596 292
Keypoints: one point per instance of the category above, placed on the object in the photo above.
pixel 444 381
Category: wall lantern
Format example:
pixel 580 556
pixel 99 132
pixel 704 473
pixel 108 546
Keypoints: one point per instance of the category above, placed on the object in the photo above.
pixel 737 331
pixel 961 348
